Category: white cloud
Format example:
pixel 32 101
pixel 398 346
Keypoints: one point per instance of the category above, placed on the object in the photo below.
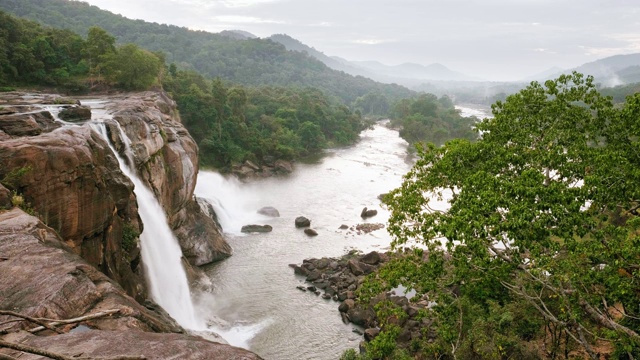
pixel 370 41
pixel 244 3
pixel 239 19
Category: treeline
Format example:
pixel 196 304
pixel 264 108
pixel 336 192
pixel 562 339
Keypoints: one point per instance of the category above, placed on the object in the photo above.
pixel 233 123
pixel 34 55
pixel 251 62
pixel 427 118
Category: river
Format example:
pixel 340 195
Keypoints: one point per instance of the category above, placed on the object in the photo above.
pixel 254 292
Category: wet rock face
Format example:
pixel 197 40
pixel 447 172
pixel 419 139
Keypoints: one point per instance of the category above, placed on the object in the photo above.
pixel 166 159
pixel 42 277
pixel 67 177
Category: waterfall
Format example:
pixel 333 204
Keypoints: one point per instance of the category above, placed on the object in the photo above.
pixel 161 254
pixel 235 205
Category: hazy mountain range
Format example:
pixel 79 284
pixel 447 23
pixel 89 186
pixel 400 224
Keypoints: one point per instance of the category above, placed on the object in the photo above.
pixel 609 72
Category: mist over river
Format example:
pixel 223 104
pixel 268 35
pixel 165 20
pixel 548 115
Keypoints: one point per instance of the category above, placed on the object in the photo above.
pixel 254 296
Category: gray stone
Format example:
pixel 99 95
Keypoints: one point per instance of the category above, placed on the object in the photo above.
pixel 302 221
pixel 269 211
pixel 371 334
pixel 310 232
pixel 256 228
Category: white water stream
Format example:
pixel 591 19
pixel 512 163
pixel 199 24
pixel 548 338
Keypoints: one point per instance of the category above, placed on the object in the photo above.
pixel 161 254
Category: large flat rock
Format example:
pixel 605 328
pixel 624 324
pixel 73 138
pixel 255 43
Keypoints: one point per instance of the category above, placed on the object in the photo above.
pixel 98 343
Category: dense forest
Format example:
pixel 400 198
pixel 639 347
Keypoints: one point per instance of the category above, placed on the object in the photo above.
pixel 538 255
pixel 34 55
pixel 252 62
pixel 233 124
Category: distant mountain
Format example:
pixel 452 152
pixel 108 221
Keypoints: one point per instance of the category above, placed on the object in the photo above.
pixel 335 63
pixel 610 71
pixel 434 71
pixel 407 74
pixel 613 70
pixel 250 61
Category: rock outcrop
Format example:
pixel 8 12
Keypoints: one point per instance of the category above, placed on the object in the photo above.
pixel 340 279
pixel 69 178
pixel 43 278
pixel 75 113
pixel 166 158
pixel 131 344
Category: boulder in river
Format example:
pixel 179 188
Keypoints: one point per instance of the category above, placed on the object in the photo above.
pixel 310 232
pixel 368 212
pixel 75 113
pixel 256 228
pixel 302 221
pixel 269 211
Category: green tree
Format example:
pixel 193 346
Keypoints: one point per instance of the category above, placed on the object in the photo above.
pixel 99 45
pixel 132 68
pixel 542 215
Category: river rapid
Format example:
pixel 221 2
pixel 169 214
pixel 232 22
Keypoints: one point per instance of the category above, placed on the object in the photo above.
pixel 254 299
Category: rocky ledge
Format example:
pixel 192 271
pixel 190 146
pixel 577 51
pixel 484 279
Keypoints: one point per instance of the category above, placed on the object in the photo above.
pixel 43 278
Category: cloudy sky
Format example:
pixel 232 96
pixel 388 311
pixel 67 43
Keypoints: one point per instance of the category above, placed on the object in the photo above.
pixel 491 39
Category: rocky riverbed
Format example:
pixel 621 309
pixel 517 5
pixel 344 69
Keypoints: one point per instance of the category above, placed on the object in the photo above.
pixel 339 279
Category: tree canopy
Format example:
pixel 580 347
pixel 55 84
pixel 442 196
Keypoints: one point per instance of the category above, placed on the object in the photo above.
pixel 426 118
pixel 537 251
pixel 234 123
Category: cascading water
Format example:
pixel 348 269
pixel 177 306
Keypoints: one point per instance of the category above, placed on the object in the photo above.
pixel 161 253
pixel 233 203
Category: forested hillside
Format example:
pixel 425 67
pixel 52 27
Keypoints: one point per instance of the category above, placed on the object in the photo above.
pixel 231 123
pixel 248 62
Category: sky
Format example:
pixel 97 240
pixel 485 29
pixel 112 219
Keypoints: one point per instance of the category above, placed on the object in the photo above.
pixel 501 40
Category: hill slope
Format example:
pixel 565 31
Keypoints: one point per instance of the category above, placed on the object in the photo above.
pixel 248 62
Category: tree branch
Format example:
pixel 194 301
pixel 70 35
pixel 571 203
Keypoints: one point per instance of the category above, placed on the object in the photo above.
pixel 40 322
pixel 76 320
pixel 606 322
